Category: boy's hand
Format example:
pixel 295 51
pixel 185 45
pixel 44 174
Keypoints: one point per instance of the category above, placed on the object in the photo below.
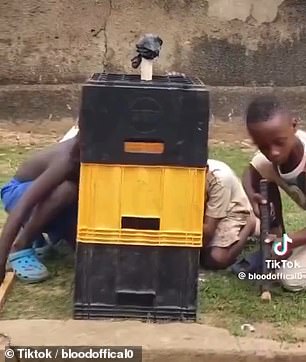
pixel 271 238
pixel 256 201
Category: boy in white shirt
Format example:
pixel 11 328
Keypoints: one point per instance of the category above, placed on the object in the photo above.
pixel 282 161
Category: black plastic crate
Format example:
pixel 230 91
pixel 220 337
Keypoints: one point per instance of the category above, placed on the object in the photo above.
pixel 117 109
pixel 147 283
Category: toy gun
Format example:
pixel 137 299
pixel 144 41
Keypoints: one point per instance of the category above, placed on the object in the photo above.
pixel 265 246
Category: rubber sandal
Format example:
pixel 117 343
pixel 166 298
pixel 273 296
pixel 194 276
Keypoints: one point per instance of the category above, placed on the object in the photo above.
pixel 27 267
pixel 251 263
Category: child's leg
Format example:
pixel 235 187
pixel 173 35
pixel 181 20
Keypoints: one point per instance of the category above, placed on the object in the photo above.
pixel 22 258
pixel 64 226
pixel 230 239
pixel 47 211
pixel 252 262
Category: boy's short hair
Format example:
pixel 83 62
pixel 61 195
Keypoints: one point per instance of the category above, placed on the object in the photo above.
pixel 263 108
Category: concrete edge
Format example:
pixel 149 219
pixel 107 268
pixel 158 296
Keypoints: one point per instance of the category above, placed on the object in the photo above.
pixel 39 102
pixel 161 342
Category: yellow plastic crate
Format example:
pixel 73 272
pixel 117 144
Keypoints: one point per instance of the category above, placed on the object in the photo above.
pixel 166 203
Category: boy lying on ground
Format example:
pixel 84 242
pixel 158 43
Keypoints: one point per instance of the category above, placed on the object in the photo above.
pixel 229 219
pixel 282 161
pixel 41 197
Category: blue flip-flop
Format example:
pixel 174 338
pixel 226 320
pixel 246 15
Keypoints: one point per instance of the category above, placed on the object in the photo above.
pixel 27 266
pixel 251 263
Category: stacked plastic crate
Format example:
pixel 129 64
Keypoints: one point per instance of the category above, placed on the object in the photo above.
pixel 141 200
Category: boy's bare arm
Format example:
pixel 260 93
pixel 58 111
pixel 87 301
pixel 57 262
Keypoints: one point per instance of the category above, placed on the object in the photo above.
pixel 250 181
pixel 40 189
pixel 218 199
pixel 210 227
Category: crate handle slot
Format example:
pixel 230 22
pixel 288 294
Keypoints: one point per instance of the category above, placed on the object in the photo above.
pixel 136 298
pixel 140 223
pixel 153 147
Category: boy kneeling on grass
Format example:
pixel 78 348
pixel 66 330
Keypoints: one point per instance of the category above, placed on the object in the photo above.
pixel 282 161
pixel 229 219
pixel 41 198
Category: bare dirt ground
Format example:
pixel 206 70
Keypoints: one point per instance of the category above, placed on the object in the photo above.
pixel 228 131
pixel 276 331
pixel 30 133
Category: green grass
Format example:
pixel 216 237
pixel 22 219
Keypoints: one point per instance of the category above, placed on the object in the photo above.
pixel 224 300
pixel 51 299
